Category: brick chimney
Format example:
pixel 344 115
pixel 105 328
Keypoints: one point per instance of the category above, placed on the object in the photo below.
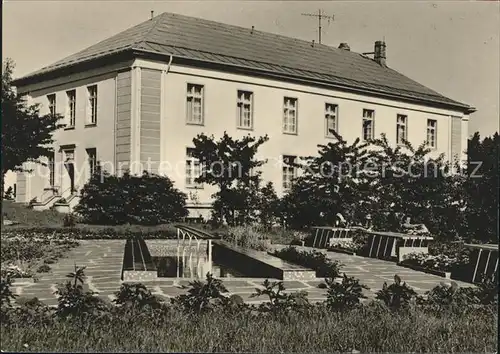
pixel 379 53
pixel 344 46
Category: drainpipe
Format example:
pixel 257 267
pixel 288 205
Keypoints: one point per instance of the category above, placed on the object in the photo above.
pixel 169 63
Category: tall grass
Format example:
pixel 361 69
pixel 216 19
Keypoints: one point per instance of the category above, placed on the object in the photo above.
pixel 367 329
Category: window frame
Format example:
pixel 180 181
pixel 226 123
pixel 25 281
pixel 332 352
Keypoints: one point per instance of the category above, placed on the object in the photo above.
pixel 240 104
pixel 327 117
pixel 92 108
pixel 92 167
pixel 52 99
pixel 71 108
pixel 192 94
pixel 285 117
pixel 287 167
pixel 194 166
pixel 403 124
pixel 432 130
pixel 372 120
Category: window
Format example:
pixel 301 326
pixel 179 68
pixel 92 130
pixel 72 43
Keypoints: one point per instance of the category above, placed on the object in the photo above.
pixel 193 169
pixel 71 107
pixel 290 115
pixel 245 111
pixel 431 133
pixel 69 155
pixel 331 118
pixel 401 131
pixel 92 105
pixel 92 158
pixel 289 171
pixel 194 104
pixel 368 124
pixel 52 104
pixel 51 165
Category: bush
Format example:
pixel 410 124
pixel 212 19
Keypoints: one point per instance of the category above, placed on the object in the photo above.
pixel 246 236
pixel 135 296
pixel 202 296
pixel 315 260
pixel 279 302
pixel 346 295
pixel 70 220
pixel 397 295
pixel 145 200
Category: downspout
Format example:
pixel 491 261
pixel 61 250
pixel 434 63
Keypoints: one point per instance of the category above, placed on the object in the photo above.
pixel 169 63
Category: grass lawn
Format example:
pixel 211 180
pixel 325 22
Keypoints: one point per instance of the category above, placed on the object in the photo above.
pixel 28 217
pixel 367 330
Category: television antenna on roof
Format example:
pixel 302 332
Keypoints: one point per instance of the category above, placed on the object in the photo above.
pixel 321 15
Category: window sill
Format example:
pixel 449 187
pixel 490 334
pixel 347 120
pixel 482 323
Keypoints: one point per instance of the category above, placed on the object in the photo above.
pixel 330 136
pixel 290 133
pixel 70 128
pixel 196 124
pixel 244 128
pixel 90 125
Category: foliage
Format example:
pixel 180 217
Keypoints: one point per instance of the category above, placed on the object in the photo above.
pixel 73 301
pixel 345 295
pixel 397 295
pixel 451 297
pixel 481 189
pixel 19 213
pixel 146 200
pixel 328 185
pixel 92 232
pixel 70 220
pixel 280 302
pixel 202 296
pixel 315 260
pixel 9 194
pixel 231 165
pixel 440 262
pixel 26 134
pixel 268 207
pixel 135 296
pixel 246 236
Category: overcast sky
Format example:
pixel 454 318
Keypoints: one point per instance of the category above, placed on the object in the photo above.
pixel 450 46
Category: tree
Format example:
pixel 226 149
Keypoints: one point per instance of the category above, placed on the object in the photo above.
pixel 26 134
pixel 145 200
pixel 231 165
pixel 481 188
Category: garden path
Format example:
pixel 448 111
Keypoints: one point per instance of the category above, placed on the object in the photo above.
pixel 103 261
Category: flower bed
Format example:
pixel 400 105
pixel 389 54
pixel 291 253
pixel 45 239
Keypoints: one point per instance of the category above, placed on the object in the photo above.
pixel 23 257
pixel 438 264
pixel 93 232
pixel 315 260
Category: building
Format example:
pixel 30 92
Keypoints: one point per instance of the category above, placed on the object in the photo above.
pixel 143 94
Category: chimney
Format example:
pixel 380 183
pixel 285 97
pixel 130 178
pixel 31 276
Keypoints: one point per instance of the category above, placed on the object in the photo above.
pixel 152 14
pixel 344 46
pixel 379 53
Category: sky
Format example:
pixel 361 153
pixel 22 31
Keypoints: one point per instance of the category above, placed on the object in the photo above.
pixel 451 47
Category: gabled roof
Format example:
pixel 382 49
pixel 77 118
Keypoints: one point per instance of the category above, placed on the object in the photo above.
pixel 232 46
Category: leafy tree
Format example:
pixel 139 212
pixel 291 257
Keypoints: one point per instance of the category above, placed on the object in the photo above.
pixel 26 134
pixel 329 185
pixel 268 205
pixel 146 200
pixel 231 165
pixel 481 188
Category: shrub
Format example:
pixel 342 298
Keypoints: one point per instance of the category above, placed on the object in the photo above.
pixel 74 302
pixel 345 295
pixel 315 260
pixel 246 236
pixel 397 295
pixel 135 296
pixel 449 297
pixel 69 220
pixel 146 200
pixel 280 302
pixel 202 296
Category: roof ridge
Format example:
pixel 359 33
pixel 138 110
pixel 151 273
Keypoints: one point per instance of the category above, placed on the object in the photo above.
pixel 166 13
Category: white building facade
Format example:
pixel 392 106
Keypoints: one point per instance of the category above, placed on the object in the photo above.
pixel 140 108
